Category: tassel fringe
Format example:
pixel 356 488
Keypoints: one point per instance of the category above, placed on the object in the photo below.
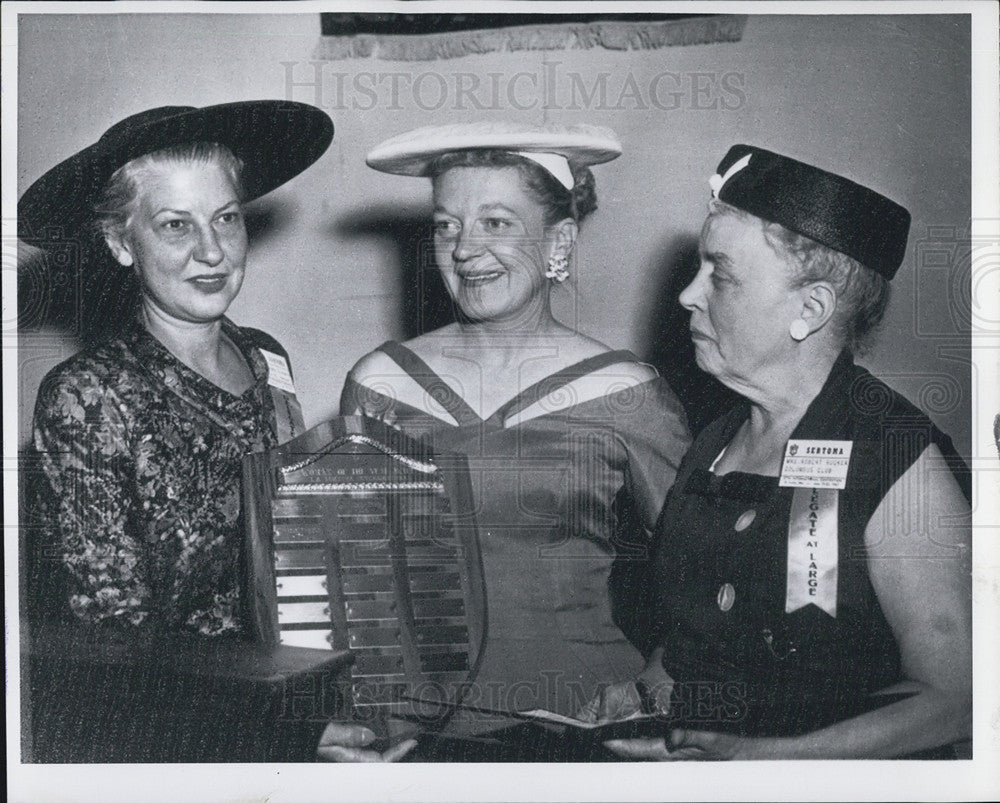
pixel 610 35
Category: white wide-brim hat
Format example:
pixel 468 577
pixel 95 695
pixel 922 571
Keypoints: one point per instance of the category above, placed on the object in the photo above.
pixel 554 147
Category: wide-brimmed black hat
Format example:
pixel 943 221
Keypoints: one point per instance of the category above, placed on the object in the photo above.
pixel 827 208
pixel 275 139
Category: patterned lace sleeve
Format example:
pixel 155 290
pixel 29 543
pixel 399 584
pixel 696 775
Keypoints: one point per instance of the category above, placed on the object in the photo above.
pixel 86 552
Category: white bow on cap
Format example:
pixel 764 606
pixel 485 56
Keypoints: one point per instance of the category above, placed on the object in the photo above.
pixel 555 164
pixel 716 182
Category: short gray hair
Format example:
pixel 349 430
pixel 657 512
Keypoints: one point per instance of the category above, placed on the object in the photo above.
pixel 122 190
pixel 862 294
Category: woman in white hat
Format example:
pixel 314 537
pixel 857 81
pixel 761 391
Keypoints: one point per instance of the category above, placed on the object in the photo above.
pixel 567 439
pixel 139 439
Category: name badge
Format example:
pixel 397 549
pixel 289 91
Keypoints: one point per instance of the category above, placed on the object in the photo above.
pixel 816 464
pixel 278 373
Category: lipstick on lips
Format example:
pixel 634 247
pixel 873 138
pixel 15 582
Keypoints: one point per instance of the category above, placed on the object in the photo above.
pixel 210 282
pixel 480 277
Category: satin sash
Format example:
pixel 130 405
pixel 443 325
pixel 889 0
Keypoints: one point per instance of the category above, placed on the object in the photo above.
pixel 812 550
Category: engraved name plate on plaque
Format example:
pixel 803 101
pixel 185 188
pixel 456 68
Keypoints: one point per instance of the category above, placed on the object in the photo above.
pixel 361 538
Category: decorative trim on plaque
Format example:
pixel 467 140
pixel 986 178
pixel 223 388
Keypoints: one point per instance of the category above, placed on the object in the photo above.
pixel 409 462
pixel 325 488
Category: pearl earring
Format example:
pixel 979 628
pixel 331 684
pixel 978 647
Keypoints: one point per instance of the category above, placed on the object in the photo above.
pixel 557 268
pixel 798 329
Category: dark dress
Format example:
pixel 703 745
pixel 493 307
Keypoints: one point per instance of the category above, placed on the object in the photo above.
pixel 135 477
pixel 742 664
pixel 551 492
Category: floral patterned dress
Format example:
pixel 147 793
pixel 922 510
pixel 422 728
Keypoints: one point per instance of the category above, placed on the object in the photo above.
pixel 136 487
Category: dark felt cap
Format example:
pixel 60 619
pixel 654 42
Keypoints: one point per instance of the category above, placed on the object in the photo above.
pixel 822 206
pixel 275 139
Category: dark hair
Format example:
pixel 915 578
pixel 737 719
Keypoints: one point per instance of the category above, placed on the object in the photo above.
pixel 558 202
pixel 862 294
pixel 120 193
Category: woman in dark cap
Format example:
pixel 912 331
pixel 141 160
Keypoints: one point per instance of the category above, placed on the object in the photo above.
pixel 139 439
pixel 570 443
pixel 812 560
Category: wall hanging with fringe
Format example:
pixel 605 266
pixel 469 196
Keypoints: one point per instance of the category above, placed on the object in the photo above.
pixel 426 37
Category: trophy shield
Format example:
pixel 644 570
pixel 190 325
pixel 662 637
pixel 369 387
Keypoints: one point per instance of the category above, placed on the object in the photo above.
pixel 361 538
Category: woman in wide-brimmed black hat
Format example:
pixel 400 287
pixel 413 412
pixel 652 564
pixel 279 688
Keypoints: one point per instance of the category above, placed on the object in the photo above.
pixel 139 438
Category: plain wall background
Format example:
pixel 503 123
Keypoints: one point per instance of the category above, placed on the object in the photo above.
pixel 884 100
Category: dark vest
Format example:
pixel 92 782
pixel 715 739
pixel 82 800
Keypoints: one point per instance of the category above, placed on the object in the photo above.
pixel 741 662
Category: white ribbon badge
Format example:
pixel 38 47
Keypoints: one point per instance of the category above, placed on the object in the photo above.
pixel 279 375
pixel 288 411
pixel 812 550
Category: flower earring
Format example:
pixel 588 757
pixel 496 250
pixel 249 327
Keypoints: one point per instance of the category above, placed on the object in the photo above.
pixel 798 329
pixel 557 268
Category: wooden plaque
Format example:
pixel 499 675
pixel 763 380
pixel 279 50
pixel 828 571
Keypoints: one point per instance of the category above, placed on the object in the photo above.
pixel 360 538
